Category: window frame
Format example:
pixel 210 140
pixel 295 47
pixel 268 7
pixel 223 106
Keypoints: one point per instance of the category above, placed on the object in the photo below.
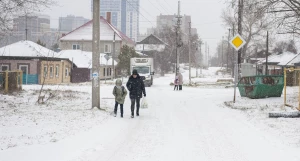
pixel 108 48
pixel 75 47
pixel 45 71
pixel 5 65
pixel 56 71
pixel 51 71
pixel 66 72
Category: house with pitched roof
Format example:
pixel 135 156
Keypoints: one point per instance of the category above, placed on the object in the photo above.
pixel 38 64
pixel 81 38
pixel 43 66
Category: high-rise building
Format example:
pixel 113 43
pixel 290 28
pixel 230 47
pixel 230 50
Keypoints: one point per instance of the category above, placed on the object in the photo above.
pixel 70 23
pixel 33 25
pixel 124 15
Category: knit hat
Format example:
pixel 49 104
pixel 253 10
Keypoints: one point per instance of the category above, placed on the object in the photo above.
pixel 134 72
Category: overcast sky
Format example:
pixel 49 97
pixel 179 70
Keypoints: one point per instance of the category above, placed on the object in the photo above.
pixel 206 15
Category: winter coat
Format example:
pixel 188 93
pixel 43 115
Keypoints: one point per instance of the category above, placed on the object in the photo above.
pixel 180 79
pixel 176 81
pixel 119 92
pixel 136 87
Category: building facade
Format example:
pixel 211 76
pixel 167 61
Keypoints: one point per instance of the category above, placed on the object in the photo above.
pixel 124 15
pixel 37 28
pixel 33 25
pixel 70 23
pixel 76 40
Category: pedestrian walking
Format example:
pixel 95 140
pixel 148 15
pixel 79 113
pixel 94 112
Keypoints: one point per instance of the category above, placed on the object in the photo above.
pixel 176 83
pixel 136 88
pixel 120 94
pixel 180 80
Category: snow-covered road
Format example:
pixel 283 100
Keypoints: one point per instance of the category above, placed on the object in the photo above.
pixel 189 125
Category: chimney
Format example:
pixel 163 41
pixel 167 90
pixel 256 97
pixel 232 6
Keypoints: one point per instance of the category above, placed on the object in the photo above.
pixel 108 17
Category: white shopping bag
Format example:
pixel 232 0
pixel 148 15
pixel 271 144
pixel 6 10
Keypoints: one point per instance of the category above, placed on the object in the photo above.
pixel 144 103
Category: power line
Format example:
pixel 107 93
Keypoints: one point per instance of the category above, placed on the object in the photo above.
pixel 139 12
pixel 154 6
pixel 162 6
pixel 167 4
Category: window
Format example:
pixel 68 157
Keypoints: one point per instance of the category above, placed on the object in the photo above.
pixel 45 71
pixel 67 72
pixel 51 71
pixel 107 71
pixel 57 70
pixel 110 71
pixel 107 48
pixel 104 71
pixel 76 47
pixel 4 67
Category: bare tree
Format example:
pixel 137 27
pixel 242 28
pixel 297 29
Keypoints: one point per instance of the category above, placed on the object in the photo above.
pixel 255 23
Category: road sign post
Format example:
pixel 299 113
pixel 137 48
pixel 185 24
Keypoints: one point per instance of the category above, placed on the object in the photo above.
pixel 237 43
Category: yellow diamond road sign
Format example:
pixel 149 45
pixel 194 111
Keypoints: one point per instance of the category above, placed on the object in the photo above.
pixel 237 42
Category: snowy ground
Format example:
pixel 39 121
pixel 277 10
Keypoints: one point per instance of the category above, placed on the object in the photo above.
pixel 193 124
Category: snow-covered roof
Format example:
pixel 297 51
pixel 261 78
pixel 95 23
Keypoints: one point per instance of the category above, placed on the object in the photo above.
pixel 151 47
pixel 281 59
pixel 26 49
pixel 107 31
pixel 83 59
pixel 295 60
pixel 80 58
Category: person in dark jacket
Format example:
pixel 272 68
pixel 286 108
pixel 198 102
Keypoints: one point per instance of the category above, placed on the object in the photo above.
pixel 136 88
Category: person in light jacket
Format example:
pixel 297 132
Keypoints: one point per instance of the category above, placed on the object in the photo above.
pixel 180 80
pixel 120 94
pixel 176 83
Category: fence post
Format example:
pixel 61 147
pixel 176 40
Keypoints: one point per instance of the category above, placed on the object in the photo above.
pixel 285 69
pixel 6 82
pixel 21 78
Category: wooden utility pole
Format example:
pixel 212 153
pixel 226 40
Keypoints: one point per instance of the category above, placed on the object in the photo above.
pixel 239 56
pixel 267 52
pixel 208 55
pixel 201 61
pixel 222 50
pixel 113 57
pixel 178 43
pixel 240 26
pixel 26 28
pixel 96 55
pixel 205 54
pixel 190 74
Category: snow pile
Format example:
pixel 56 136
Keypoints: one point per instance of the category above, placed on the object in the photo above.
pixel 24 122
